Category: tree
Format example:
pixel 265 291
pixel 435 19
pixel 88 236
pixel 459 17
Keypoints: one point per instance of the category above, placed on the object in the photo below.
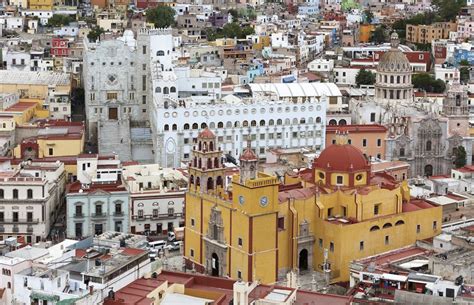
pixel 365 77
pixel 428 83
pixel 95 33
pixel 464 62
pixel 459 156
pixel 59 20
pixel 369 16
pixel 448 10
pixel 234 13
pixel 379 35
pixel 464 75
pixel 161 16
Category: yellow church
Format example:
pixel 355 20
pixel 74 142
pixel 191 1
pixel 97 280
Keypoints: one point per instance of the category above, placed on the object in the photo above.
pixel 260 228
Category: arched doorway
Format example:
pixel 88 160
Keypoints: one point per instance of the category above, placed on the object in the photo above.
pixel 303 260
pixel 428 170
pixel 214 265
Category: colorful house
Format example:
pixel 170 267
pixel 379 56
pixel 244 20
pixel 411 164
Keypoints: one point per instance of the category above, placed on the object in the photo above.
pixel 329 215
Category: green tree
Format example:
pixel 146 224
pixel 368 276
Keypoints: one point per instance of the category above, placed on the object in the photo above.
pixel 464 74
pixel 231 30
pixel 464 62
pixel 459 156
pixel 365 77
pixel 369 16
pixel 448 9
pixel 161 16
pixel 428 83
pixel 379 35
pixel 95 33
pixel 234 13
pixel 59 20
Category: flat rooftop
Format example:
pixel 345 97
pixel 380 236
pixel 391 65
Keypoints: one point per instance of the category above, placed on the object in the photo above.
pixel 34 78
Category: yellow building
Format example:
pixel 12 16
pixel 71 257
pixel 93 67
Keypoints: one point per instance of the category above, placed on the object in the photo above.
pixel 41 5
pixel 365 32
pixel 259 229
pixel 427 33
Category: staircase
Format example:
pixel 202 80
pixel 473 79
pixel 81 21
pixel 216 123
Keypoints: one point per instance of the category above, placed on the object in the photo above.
pixel 114 137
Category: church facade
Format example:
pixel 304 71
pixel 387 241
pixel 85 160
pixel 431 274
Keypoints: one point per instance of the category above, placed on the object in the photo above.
pixel 319 219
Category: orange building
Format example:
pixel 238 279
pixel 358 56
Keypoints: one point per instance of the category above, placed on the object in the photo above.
pixel 370 139
pixel 365 31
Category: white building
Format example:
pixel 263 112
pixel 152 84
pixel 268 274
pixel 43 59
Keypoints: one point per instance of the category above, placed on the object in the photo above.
pixel 321 65
pixel 30 198
pixel 275 116
pixel 156 198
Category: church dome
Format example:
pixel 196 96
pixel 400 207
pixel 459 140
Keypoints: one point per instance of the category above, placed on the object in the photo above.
pixel 206 134
pixel 394 60
pixel 342 158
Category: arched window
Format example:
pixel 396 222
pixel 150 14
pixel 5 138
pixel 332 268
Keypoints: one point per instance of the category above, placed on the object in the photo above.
pixel 245 123
pixel 387 225
pixel 15 194
pixel 279 122
pixel 398 79
pixel 402 152
pixel 210 183
pixel 374 228
pixel 399 223
pixel 209 163
pixel 271 122
pixel 237 124
pixel 203 126
pixel 228 124
pixel 253 123
pixel 186 126
pixel 302 121
pixel 216 162
pixel 262 122
pixel 166 90
pixel 211 146
pixel 332 122
pixel 29 194
pixel 167 127
pixel 458 102
pixel 195 126
pixel 158 89
pixel 391 79
pixel 318 119
pixel 295 121
pixel 173 89
pixel 342 122
pixel 160 53
pixel 212 125
pixel 191 179
pixel 198 181
pixel 220 125
pixel 428 145
pixel 175 127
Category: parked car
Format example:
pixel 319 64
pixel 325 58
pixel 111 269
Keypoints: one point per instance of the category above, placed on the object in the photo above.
pixel 174 246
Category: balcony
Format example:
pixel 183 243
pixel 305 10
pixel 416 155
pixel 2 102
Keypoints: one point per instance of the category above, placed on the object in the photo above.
pixel 98 215
pixel 78 215
pixel 16 229
pixel 29 229
pixel 118 214
pixel 19 221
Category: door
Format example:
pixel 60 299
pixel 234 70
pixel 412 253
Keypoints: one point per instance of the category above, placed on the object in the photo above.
pixel 159 228
pixel 215 264
pixel 303 261
pixel 113 113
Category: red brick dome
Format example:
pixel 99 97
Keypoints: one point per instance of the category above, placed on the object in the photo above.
pixel 206 134
pixel 342 158
pixel 248 155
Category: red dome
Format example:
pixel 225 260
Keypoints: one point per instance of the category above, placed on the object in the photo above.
pixel 342 158
pixel 206 134
pixel 248 155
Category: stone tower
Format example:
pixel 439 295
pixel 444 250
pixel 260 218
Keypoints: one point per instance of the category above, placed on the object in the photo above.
pixel 456 108
pixel 248 164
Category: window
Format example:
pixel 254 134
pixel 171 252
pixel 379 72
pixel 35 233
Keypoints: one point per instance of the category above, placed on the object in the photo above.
pixel 239 274
pixel 29 216
pixel 329 212
pixel 331 246
pixel 320 242
pixel 361 245
pixel 15 194
pixel 2 216
pixel 111 95
pixel 155 213
pixel 170 212
pixel 144 49
pixel 15 216
pixel 418 229
pixel 376 209
pixel 372 117
pixel 240 242
pixel 193 222
pixel 379 142
pixel 2 195
pixel 29 194
pixel 143 82
pixel 281 223
pixel 51 151
pixel 339 180
pixel 428 145
pixel 144 67
pixel 435 225
pixel 344 211
pixel 98 209
pixel 140 213
pixel 118 209
pixel 143 99
pixel 78 210
pixel 387 239
pixel 364 142
pixel 191 252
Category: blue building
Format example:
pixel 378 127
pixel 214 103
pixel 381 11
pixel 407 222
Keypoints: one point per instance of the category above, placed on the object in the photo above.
pixel 308 9
pixel 463 54
pixel 97 208
pixel 255 70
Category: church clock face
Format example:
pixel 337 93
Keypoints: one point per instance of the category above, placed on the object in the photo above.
pixel 263 201
pixel 241 200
